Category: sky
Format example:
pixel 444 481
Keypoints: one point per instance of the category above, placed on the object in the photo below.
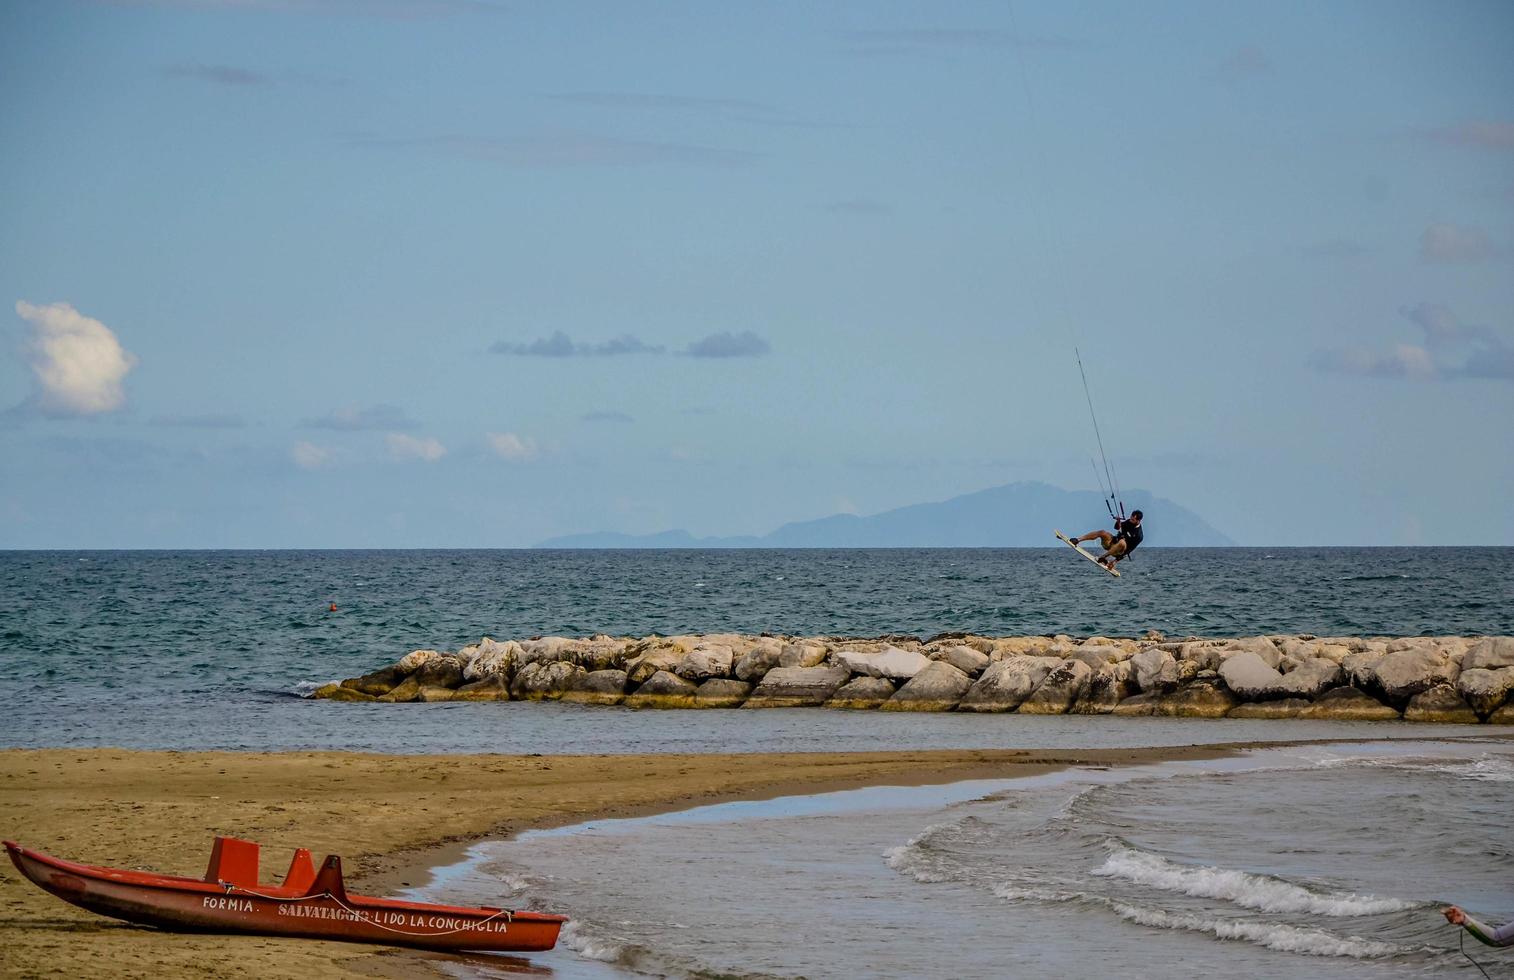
pixel 446 273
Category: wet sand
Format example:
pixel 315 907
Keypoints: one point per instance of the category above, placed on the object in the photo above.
pixel 391 818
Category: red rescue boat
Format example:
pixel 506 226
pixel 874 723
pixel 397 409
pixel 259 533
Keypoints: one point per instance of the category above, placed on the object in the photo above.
pixel 309 904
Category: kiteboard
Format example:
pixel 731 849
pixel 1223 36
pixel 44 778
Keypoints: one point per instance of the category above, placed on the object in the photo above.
pixel 1085 554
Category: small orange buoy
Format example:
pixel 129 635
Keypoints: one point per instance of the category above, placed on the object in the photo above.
pixel 333 607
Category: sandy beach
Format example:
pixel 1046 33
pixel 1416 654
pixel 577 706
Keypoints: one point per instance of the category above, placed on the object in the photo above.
pixel 390 817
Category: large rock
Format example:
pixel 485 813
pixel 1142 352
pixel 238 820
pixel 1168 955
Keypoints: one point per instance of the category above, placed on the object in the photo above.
pixel 721 692
pixel 758 661
pixel 797 687
pixel 1108 685
pixel 1493 653
pixel 445 672
pixel 1096 655
pixel 964 658
pixel 1503 716
pixel 664 655
pixel 404 692
pixel 1029 646
pixel 1201 699
pixel 1486 689
pixel 433 680
pixel 548 649
pixel 1155 670
pixel 414 660
pixel 1358 665
pixel 1260 645
pixel 492 688
pixel 802 654
pixel 340 692
pixel 1440 703
pixel 606 686
pixel 895 664
pixel 1401 674
pixel 938 687
pixel 1251 677
pixel 1138 706
pixel 862 693
pixel 488 659
pixel 705 662
pixel 1286 708
pixel 1208 654
pixel 1061 686
pixel 1006 683
pixel 1348 704
pixel 663 689
pixel 545 680
pixel 1312 678
pixel 602 652
pixel 380 682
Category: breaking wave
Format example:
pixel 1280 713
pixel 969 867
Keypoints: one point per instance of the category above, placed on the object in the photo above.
pixel 1253 891
pixel 1273 935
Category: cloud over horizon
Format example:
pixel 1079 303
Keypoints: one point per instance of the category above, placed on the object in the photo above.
pixel 560 344
pixel 402 446
pixel 1450 350
pixel 727 344
pixel 309 456
pixel 351 418
pixel 511 447
pixel 78 365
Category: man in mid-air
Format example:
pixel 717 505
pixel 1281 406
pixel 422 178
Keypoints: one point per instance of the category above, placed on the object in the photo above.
pixel 1125 539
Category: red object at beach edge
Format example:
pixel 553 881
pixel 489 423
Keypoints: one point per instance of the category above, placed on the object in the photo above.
pixel 309 904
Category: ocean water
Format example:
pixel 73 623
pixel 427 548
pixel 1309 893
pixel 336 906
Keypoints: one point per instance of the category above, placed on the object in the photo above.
pixel 1304 862
pixel 208 649
pixel 1308 862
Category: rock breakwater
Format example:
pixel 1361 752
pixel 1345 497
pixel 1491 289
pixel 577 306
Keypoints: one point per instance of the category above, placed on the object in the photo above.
pixel 1446 679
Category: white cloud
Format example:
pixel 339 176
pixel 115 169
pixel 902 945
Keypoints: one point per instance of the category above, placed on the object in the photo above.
pixel 402 446
pixel 309 456
pixel 508 445
pixel 1455 244
pixel 727 344
pixel 1451 350
pixel 1401 361
pixel 78 362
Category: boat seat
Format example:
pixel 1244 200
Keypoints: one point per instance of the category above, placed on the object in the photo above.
pixel 233 861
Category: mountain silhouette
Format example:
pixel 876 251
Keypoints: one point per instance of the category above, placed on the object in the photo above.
pixel 1016 515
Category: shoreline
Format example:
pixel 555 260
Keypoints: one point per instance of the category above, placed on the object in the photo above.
pixel 394 819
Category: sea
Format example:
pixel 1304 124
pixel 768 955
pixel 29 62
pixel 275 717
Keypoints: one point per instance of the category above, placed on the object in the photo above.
pixel 1305 860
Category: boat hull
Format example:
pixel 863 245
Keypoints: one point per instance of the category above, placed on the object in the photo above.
pixel 189 905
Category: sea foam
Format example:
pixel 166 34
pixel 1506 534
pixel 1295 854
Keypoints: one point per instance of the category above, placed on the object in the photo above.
pixel 1273 935
pixel 1253 891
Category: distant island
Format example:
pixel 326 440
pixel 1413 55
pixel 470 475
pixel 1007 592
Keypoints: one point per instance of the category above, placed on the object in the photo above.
pixel 1016 515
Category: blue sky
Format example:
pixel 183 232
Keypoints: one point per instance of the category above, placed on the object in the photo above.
pixel 402 273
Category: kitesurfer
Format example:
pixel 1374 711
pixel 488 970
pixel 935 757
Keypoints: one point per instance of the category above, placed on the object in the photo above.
pixel 1126 538
pixel 1502 936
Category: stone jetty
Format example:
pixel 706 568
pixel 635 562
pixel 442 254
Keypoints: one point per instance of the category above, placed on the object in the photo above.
pixel 1420 678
